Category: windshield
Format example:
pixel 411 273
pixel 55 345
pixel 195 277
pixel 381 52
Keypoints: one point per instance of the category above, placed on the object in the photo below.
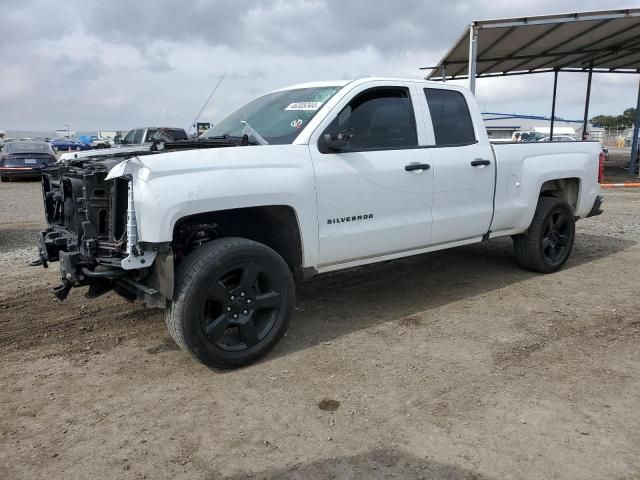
pixel 277 117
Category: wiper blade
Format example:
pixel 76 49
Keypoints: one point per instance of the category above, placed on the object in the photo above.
pixel 220 139
pixel 209 142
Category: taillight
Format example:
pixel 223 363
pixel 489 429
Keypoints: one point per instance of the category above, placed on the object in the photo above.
pixel 601 167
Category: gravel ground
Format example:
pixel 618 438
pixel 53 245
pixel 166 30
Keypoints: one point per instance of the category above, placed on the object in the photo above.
pixel 21 218
pixel 454 365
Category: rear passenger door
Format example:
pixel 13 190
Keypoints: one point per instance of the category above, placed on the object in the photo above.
pixel 463 167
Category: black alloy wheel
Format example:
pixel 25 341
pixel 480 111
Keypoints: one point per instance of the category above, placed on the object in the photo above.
pixel 241 307
pixel 556 238
pixel 232 302
pixel 547 243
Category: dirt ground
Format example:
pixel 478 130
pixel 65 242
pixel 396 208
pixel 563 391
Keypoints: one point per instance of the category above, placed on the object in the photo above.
pixel 454 365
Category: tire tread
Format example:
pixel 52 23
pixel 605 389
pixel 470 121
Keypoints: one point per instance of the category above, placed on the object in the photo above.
pixel 186 273
pixel 525 246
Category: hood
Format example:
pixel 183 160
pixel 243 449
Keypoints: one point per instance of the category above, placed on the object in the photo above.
pixel 103 151
pixel 207 160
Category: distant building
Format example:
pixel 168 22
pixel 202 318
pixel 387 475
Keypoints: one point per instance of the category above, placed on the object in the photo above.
pixel 65 134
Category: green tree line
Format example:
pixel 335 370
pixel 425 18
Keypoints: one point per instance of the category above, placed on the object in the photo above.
pixel 627 119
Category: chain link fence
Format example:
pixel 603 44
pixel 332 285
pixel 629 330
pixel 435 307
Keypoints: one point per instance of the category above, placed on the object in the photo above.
pixel 618 137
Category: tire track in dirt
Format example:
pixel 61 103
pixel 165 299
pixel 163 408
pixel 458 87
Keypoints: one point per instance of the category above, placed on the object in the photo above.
pixel 32 319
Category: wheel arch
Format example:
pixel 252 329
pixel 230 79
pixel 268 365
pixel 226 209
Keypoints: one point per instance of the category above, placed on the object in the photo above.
pixel 276 226
pixel 565 189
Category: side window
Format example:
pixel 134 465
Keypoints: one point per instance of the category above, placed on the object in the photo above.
pixel 379 118
pixel 450 116
pixel 129 138
pixel 150 133
pixel 138 138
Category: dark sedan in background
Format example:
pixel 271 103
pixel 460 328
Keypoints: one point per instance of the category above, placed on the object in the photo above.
pixel 25 159
pixel 67 144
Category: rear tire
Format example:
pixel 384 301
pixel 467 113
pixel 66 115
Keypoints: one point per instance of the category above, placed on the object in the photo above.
pixel 4 179
pixel 547 244
pixel 232 302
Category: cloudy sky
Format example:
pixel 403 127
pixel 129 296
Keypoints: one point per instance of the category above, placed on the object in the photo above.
pixel 119 64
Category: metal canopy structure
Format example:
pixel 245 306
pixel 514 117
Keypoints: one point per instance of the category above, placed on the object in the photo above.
pixel 606 41
pixel 591 42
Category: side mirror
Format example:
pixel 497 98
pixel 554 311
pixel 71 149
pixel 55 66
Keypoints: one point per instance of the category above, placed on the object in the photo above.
pixel 337 142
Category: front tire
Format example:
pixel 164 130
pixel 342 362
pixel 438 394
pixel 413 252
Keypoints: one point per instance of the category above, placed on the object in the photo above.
pixel 547 244
pixel 232 304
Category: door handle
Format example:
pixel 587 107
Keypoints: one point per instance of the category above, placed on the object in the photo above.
pixel 479 162
pixel 417 166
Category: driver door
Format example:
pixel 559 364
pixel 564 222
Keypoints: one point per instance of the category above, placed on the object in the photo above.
pixel 372 200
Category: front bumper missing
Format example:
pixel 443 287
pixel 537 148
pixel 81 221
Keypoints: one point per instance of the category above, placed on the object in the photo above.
pixel 79 267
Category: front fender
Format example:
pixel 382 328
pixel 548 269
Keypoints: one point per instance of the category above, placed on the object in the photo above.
pixel 168 187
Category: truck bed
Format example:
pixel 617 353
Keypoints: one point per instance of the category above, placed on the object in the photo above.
pixel 522 169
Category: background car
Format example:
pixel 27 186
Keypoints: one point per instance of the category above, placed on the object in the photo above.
pixel 100 143
pixel 4 141
pixel 567 138
pixel 526 136
pixel 25 159
pixel 69 144
pixel 559 138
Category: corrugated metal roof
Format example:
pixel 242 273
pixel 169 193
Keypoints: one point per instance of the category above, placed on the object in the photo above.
pixel 604 40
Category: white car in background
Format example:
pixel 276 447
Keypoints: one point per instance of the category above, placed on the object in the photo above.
pixel 559 138
pixel 568 138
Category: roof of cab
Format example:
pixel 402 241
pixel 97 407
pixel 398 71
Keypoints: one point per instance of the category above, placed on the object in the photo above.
pixel 342 83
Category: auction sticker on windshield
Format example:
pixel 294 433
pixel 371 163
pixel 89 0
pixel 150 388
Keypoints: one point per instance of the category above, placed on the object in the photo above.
pixel 312 106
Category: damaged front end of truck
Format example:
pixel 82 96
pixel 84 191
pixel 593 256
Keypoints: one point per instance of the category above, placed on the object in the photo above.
pixel 90 209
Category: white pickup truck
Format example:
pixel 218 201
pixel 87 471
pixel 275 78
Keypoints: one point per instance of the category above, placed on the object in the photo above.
pixel 305 180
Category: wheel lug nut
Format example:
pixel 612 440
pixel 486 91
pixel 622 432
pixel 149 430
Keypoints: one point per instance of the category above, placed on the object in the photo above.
pixel 242 294
pixel 245 312
pixel 248 301
pixel 232 297
pixel 228 309
pixel 235 315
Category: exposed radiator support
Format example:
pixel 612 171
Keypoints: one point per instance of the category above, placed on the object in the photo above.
pixel 132 226
pixel 136 257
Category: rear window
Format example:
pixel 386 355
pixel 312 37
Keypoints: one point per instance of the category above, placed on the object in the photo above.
pixel 174 133
pixel 177 133
pixel 450 116
pixel 27 147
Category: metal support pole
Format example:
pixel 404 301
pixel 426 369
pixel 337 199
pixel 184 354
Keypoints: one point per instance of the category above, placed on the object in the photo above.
pixel 634 145
pixel 553 104
pixel 586 105
pixel 473 57
pixel 444 72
